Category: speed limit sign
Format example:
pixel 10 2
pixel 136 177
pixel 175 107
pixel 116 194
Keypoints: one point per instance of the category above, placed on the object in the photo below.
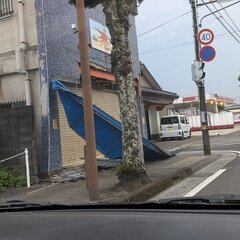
pixel 205 36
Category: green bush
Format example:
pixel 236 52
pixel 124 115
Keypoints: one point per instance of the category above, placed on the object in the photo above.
pixel 10 177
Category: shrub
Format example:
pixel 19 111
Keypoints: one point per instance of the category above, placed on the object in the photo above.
pixel 10 177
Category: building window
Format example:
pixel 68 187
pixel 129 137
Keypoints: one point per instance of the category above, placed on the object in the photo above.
pixel 6 8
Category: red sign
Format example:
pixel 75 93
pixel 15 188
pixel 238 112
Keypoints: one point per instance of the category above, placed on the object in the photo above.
pixel 207 53
pixel 206 36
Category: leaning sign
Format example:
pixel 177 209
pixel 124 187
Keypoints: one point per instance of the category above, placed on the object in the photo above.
pixel 100 37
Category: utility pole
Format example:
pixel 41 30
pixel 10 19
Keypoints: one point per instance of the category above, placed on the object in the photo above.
pixel 200 84
pixel 90 148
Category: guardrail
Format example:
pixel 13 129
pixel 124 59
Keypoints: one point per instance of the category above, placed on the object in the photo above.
pixel 26 153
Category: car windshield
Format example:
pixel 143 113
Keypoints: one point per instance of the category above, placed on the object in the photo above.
pixel 118 101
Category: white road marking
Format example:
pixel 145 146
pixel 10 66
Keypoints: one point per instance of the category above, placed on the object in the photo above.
pixel 185 186
pixel 41 189
pixel 204 183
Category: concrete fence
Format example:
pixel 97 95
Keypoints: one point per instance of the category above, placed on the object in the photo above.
pixel 17 134
pixel 222 120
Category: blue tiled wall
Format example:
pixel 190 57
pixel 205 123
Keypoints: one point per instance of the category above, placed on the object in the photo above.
pixel 59 55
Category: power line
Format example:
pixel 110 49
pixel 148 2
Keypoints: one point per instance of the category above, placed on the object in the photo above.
pixel 230 5
pixel 167 48
pixel 171 40
pixel 221 23
pixel 165 33
pixel 175 30
pixel 226 21
pixel 180 45
pixel 163 24
pixel 230 18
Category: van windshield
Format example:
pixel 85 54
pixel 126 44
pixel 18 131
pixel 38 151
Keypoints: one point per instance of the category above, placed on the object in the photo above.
pixel 169 120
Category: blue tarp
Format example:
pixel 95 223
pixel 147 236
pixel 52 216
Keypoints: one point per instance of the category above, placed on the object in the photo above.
pixel 107 129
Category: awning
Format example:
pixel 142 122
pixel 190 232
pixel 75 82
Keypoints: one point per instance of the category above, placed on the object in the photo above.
pixel 157 98
pixel 100 73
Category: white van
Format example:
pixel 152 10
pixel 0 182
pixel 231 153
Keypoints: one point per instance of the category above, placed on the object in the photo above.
pixel 176 126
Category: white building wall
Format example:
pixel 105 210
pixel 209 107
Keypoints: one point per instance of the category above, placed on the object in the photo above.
pixel 154 121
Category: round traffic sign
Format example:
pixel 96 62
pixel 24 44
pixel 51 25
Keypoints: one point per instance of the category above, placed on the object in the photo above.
pixel 206 36
pixel 207 53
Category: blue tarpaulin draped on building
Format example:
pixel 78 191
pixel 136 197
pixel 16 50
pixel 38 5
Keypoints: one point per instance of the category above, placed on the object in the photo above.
pixel 107 129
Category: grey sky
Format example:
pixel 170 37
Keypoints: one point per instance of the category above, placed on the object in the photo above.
pixel 168 57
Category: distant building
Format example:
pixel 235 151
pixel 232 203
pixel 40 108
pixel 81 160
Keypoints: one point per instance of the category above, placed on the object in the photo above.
pixel 235 109
pixel 190 106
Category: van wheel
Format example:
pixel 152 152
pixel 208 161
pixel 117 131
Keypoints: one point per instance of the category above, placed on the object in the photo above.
pixel 190 134
pixel 182 137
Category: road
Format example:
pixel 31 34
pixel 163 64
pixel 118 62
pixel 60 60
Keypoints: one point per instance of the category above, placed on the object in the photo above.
pixel 218 142
pixel 219 177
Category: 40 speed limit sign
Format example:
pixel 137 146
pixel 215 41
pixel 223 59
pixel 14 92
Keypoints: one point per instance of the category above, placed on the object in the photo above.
pixel 206 36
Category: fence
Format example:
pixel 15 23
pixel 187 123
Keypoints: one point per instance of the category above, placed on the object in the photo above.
pixel 26 162
pixel 13 104
pixel 220 120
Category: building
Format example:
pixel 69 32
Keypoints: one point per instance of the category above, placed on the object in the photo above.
pixel 157 102
pixel 38 45
pixel 235 109
pixel 19 82
pixel 191 105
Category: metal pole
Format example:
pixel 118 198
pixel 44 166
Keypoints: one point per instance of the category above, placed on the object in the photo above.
pixel 91 162
pixel 27 167
pixel 201 87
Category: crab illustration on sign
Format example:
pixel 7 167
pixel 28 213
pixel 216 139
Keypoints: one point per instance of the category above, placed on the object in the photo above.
pixel 100 37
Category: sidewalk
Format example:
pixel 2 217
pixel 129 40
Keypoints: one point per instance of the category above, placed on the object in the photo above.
pixel 219 131
pixel 163 174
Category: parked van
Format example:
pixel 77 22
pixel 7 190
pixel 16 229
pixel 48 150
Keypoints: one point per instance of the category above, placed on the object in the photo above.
pixel 176 126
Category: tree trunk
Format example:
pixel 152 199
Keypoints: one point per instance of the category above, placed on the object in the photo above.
pixel 117 17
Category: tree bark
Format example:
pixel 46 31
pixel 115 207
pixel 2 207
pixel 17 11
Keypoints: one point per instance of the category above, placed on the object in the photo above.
pixel 117 18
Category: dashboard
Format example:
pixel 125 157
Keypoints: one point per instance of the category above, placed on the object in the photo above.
pixel 121 224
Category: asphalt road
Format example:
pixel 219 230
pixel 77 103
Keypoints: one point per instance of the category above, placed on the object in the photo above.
pixel 226 183
pixel 220 177
pixel 229 141
pixel 226 142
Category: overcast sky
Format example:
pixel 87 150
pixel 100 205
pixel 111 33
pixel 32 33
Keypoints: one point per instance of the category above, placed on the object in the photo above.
pixel 168 52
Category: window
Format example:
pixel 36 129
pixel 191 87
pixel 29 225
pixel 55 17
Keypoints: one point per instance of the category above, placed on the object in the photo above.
pixel 182 120
pixel 170 120
pixel 6 8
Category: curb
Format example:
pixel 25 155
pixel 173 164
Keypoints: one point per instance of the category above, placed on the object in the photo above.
pixel 152 189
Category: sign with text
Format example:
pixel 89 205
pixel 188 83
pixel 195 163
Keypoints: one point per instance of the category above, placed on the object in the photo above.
pixel 206 36
pixel 100 37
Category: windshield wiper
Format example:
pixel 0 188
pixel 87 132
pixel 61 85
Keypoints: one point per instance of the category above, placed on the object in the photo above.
pixel 225 199
pixel 216 201
pixel 19 204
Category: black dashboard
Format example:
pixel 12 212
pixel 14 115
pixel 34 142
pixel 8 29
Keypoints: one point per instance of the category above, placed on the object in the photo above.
pixel 121 224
